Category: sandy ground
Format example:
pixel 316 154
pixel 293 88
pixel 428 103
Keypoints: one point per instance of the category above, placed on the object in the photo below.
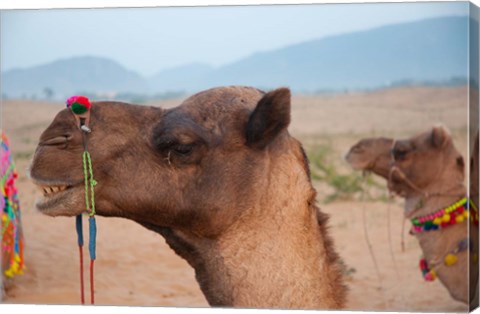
pixel 135 267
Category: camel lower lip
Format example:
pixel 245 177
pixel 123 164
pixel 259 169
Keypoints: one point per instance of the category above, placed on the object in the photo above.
pixel 358 167
pixel 51 198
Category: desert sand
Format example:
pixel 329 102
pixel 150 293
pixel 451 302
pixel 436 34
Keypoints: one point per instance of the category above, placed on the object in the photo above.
pixel 135 267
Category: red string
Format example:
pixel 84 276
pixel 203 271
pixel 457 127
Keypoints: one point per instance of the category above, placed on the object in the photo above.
pixel 82 294
pixel 91 283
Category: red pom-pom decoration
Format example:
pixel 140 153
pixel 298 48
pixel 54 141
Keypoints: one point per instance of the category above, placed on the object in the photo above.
pixel 423 264
pixel 78 104
pixel 429 276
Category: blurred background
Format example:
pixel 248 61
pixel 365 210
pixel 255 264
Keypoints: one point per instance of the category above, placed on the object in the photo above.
pixel 156 53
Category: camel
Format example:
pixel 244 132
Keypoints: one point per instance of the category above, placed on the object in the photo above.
pixel 428 171
pixel 219 177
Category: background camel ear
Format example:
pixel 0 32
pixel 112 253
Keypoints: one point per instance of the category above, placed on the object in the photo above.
pixel 460 163
pixel 270 117
pixel 440 136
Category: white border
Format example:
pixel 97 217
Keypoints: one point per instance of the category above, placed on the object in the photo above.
pixel 50 4
pixel 54 4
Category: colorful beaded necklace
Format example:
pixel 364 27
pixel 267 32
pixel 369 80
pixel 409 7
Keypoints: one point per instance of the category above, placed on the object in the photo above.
pixel 429 273
pixel 445 217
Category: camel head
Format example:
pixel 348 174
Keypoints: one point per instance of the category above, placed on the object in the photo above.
pixel 195 166
pixel 427 162
pixel 371 154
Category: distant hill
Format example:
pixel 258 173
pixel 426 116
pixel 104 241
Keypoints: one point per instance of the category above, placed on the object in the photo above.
pixel 429 50
pixel 71 76
pixel 432 51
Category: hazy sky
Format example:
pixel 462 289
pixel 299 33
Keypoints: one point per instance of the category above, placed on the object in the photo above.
pixel 147 40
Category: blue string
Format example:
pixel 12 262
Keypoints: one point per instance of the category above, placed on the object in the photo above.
pixel 92 238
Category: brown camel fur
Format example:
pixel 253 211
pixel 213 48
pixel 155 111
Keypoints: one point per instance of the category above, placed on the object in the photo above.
pixel 430 176
pixel 220 178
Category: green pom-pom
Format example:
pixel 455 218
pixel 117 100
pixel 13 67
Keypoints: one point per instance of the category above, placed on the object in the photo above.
pixel 78 108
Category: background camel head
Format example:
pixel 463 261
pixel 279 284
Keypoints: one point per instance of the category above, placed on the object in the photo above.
pixel 371 154
pixel 429 160
pixel 199 164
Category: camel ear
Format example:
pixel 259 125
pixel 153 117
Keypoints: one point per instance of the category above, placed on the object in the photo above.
pixel 460 163
pixel 440 136
pixel 270 117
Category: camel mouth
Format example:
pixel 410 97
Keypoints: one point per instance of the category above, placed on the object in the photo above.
pixel 355 163
pixel 58 200
pixel 357 166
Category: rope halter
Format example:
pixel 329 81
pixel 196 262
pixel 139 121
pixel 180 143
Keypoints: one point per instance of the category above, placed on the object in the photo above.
pixel 80 107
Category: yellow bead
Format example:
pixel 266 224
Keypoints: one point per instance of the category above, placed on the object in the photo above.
pixel 466 214
pixel 450 259
pixel 434 274
pixel 9 273
pixel 459 218
pixel 437 221
pixel 446 218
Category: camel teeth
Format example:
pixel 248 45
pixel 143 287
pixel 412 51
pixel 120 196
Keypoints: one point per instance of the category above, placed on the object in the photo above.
pixel 47 190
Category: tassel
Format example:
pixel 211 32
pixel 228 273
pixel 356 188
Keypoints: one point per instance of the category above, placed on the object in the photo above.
pixel 92 250
pixel 93 235
pixel 79 227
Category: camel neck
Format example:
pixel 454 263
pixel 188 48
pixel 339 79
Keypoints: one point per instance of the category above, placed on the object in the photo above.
pixel 436 245
pixel 278 254
pixel 281 264
pixel 272 261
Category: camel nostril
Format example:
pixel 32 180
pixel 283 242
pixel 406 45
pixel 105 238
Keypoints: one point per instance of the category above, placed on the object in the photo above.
pixel 357 150
pixel 348 156
pixel 59 140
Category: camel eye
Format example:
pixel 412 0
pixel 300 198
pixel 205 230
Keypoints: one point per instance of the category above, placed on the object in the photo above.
pixel 183 149
pixel 399 154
